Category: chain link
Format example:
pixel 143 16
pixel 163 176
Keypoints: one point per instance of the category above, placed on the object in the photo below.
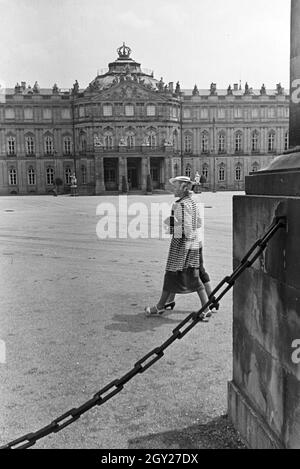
pixel 156 354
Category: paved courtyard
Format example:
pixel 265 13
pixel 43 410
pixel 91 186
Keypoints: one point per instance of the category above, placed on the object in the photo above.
pixel 71 316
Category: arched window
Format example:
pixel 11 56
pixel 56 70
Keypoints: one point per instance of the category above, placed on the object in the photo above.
pixel 204 142
pixel 222 172
pixel 271 141
pixel 49 176
pixel 31 176
pixel 67 145
pixel 11 146
pixel 238 172
pixel 254 141
pixel 176 170
pixel 187 143
pixel 255 167
pixel 221 143
pixel 286 141
pixel 29 145
pixel 108 141
pixel 238 142
pixel 130 140
pixel 175 140
pixel 49 147
pixel 82 142
pixel 12 177
pixel 83 174
pixel 188 170
pixel 205 170
pixel 152 139
pixel 67 175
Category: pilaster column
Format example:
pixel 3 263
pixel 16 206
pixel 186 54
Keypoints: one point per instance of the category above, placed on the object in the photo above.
pixel 99 173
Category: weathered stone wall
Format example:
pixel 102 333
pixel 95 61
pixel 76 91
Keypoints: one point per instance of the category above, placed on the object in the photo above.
pixel 264 396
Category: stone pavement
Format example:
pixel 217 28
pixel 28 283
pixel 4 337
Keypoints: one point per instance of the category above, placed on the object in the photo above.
pixel 72 319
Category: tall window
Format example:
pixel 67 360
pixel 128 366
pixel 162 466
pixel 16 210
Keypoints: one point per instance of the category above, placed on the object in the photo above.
pixel 150 110
pixel 221 143
pixel 238 172
pixel 107 110
pixel 205 170
pixel 49 148
pixel 286 141
pixel 188 170
pixel 49 176
pixel 221 113
pixel 176 170
pixel 271 141
pixel 238 113
pixel 187 144
pixel 67 145
pixel 238 142
pixel 130 140
pixel 83 174
pixel 204 142
pixel 254 141
pixel 203 113
pixel 108 141
pixel 11 146
pixel 31 176
pixel 47 113
pixel 82 140
pixel 28 113
pixel 9 113
pixel 129 110
pixel 152 139
pixel 186 113
pixel 66 113
pixel 222 172
pixel 29 144
pixel 12 177
pixel 68 175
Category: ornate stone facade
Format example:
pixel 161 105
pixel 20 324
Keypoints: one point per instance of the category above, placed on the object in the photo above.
pixel 126 124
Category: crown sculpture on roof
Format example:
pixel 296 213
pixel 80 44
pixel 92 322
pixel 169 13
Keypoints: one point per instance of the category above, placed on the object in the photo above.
pixel 124 51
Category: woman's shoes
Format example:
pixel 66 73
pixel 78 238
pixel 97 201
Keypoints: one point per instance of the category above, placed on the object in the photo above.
pixel 154 311
pixel 170 305
pixel 204 317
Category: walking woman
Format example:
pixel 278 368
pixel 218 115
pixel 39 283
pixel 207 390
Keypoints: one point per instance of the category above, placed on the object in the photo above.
pixel 182 269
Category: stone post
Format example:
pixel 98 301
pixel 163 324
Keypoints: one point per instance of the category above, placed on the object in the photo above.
pixel 294 132
pixel 264 394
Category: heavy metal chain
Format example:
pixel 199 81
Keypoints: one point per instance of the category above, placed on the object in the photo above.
pixel 156 354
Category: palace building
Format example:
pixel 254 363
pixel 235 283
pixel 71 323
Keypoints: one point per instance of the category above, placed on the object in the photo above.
pixel 127 125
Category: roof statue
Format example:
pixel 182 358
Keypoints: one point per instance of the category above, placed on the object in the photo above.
pixel 36 88
pixel 229 91
pixel 195 91
pixel 124 51
pixel 263 90
pixel 279 89
pixel 213 89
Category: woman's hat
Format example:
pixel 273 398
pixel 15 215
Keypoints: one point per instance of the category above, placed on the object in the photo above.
pixel 182 179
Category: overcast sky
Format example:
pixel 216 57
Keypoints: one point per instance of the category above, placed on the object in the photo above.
pixel 193 41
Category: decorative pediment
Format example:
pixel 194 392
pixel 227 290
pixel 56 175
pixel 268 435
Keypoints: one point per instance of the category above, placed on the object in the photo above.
pixel 128 91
